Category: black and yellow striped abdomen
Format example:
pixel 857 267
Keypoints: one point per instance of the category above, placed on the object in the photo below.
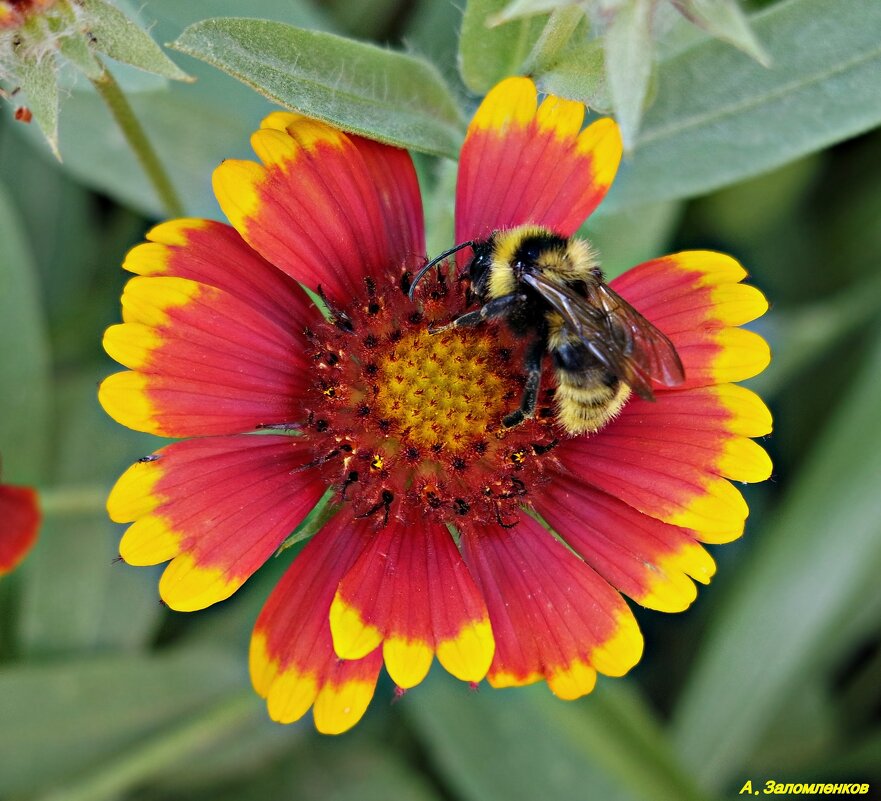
pixel 587 395
pixel 586 401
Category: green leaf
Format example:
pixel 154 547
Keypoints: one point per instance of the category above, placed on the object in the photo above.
pixel 439 208
pixel 557 33
pixel 38 79
pixel 633 236
pixel 804 731
pixel 516 9
pixel 312 523
pixel 523 744
pixel 391 97
pixel 488 54
pixel 432 30
pixel 629 48
pixel 153 755
pixel 25 379
pixel 76 50
pixel 724 20
pixel 719 117
pixel 115 35
pixel 250 753
pixel 62 718
pixel 99 604
pixel 807 574
pixel 360 766
pixel 578 73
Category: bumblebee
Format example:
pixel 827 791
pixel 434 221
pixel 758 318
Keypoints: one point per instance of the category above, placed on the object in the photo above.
pixel 550 289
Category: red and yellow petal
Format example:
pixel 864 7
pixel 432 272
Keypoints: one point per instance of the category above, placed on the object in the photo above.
pixel 19 524
pixel 552 616
pixel 411 592
pixel 696 299
pixel 204 361
pixel 293 664
pixel 652 562
pixel 328 208
pixel 672 459
pixel 217 507
pixel 522 163
pixel 213 254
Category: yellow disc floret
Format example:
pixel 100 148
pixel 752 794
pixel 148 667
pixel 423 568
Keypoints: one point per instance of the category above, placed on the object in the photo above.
pixel 440 390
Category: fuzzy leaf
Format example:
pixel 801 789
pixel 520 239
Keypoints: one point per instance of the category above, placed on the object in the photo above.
pixel 38 79
pixel 725 20
pixel 392 97
pixel 629 51
pixel 720 117
pixel 564 26
pixel 114 34
pixel 488 54
pixel 76 50
pixel 579 73
pixel 528 8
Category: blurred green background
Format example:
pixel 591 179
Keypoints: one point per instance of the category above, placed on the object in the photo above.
pixel 775 673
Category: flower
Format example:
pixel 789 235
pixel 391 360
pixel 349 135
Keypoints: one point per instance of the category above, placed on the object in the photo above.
pixel 19 524
pixel 440 543
pixel 14 13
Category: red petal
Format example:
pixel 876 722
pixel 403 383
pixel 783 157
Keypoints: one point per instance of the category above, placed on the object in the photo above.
pixel 217 507
pixel 326 207
pixel 410 591
pixel 293 664
pixel 651 561
pixel 696 299
pixel 669 459
pixel 213 254
pixel 524 165
pixel 205 362
pixel 19 524
pixel 552 616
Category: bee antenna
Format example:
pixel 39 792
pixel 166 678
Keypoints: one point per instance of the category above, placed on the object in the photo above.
pixel 435 260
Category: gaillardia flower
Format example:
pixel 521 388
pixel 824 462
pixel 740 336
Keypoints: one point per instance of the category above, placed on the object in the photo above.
pixel 501 551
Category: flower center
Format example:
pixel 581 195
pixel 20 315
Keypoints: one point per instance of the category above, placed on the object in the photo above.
pixel 441 391
pixel 409 422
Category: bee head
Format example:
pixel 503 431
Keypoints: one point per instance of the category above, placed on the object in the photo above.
pixel 482 261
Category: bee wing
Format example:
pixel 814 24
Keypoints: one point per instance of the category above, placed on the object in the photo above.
pixel 599 321
pixel 648 346
pixel 594 328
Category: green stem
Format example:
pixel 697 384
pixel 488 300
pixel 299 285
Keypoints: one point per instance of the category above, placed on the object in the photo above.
pixel 556 35
pixel 136 137
pixel 72 500
pixel 153 756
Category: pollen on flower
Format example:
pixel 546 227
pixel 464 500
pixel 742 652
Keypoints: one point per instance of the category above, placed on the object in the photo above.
pixel 440 389
pixel 408 422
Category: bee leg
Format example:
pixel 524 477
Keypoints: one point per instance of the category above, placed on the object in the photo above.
pixel 497 307
pixel 534 355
